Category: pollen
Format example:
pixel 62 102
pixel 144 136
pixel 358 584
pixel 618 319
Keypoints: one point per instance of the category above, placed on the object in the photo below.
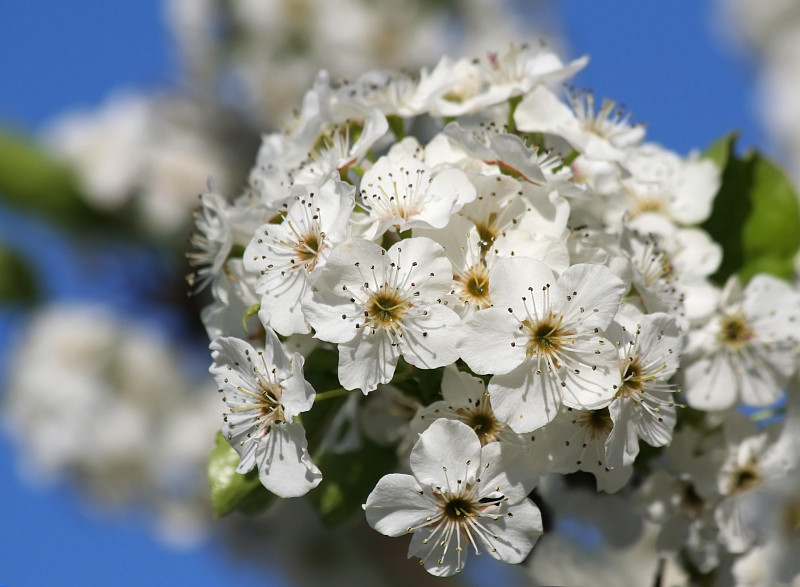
pixel 386 308
pixel 545 337
pixel 596 423
pixel 745 478
pixel 474 286
pixel 482 420
pixel 734 332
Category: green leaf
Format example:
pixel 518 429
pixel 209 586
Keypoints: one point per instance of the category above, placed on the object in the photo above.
pixel 719 150
pixel 398 127
pixel 17 282
pixel 347 480
pixel 32 181
pixel 772 232
pixel 756 218
pixel 230 490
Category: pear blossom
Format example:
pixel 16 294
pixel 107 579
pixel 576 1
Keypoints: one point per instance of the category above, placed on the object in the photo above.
pixel 576 440
pixel 746 351
pixel 602 135
pixel 514 277
pixel 460 497
pixel 465 400
pixel 378 305
pixel 264 391
pixel 682 190
pixel 401 191
pixel 285 256
pixel 543 340
pixel 754 461
pixel 212 239
pixel 649 349
pixel 681 496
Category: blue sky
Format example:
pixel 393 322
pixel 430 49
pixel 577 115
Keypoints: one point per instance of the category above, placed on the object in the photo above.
pixel 659 59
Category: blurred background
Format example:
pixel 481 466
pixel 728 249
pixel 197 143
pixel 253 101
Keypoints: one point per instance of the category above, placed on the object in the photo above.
pixel 113 116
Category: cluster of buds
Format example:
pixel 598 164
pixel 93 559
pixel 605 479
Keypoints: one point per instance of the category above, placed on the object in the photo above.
pixel 510 285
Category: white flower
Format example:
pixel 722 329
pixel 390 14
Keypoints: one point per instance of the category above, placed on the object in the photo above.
pixel 264 391
pixel 671 265
pixel 336 153
pixel 682 190
pixel 285 255
pixel 401 191
pixel 599 136
pixel 747 350
pixel 466 400
pixel 233 295
pixel 461 242
pixel 507 151
pixel 576 441
pixel 649 349
pixel 461 495
pixel 212 239
pixel 755 461
pixel 378 305
pixel 543 340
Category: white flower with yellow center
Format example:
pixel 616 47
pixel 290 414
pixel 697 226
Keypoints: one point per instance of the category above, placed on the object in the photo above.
pixel 461 496
pixel 466 400
pixel 401 191
pixel 543 340
pixel 284 256
pixel 264 390
pixel 576 441
pixel 649 349
pixel 747 350
pixel 378 305
pixel 461 242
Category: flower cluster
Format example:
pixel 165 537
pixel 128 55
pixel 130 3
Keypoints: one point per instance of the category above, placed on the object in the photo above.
pixel 521 287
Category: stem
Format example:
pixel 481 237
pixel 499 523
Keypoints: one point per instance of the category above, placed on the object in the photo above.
pixel 567 160
pixel 330 394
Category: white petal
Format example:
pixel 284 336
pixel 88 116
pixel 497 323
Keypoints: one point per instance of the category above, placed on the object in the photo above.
pixel 284 465
pixel 542 111
pixel 423 266
pixel 516 535
pixel 510 279
pixel 622 444
pixel 595 294
pixel 524 400
pixel 491 343
pixel 590 376
pixel 440 561
pixel 397 504
pixel 459 387
pixel 710 384
pixel 445 453
pixel 281 297
pixel 367 361
pixel 324 312
pixel 510 468
pixel 430 340
pixel 297 395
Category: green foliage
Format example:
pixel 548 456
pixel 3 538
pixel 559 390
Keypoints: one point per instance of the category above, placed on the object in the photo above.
pixel 347 480
pixel 31 181
pixel 17 283
pixel 231 491
pixel 756 217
